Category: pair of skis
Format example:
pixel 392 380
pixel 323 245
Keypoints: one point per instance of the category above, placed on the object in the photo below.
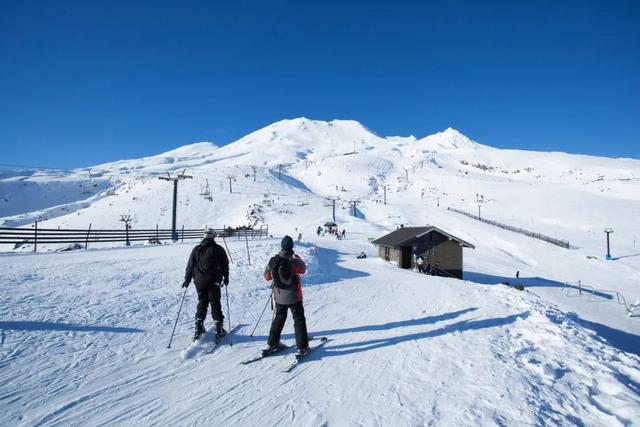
pixel 299 357
pixel 217 339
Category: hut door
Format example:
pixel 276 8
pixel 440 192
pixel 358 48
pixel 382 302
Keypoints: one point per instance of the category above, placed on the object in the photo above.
pixel 387 253
pixel 405 257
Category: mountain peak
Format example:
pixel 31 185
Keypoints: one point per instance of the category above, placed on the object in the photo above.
pixel 450 139
pixel 452 132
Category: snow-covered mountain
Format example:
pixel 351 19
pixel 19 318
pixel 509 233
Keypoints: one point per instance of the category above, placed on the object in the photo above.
pixel 186 156
pixel 557 356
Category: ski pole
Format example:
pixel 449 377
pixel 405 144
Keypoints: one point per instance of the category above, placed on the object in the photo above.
pixel 177 317
pixel 259 318
pixel 226 289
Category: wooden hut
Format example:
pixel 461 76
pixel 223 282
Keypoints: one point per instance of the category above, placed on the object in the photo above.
pixel 437 247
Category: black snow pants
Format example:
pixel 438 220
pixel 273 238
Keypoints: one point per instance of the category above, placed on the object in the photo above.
pixel 209 294
pixel 299 324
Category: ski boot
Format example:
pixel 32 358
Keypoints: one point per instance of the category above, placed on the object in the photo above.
pixel 199 329
pixel 220 331
pixel 272 349
pixel 302 352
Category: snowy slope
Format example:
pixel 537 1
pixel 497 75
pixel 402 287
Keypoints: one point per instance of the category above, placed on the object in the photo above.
pixel 403 349
pixel 418 350
pixel 28 195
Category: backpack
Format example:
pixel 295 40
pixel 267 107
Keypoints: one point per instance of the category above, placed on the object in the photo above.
pixel 207 266
pixel 282 272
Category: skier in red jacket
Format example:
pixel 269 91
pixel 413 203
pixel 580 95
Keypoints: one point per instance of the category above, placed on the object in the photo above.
pixel 284 271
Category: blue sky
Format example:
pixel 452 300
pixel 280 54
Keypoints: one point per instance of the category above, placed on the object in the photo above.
pixel 84 82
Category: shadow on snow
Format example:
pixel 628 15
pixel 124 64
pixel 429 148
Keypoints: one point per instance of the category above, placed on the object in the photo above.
pixel 619 339
pixel 616 338
pixel 380 327
pixel 399 324
pixel 361 346
pixel 461 326
pixel 328 269
pixel 289 180
pixel 530 282
pixel 625 256
pixel 65 327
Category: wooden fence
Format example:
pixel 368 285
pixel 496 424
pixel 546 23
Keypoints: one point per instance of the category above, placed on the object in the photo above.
pixel 35 235
pixel 548 239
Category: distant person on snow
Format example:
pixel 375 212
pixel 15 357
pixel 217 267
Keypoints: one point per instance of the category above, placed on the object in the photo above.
pixel 420 264
pixel 209 267
pixel 284 271
pixel 343 233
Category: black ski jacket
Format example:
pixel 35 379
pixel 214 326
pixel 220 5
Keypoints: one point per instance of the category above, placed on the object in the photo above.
pixel 207 264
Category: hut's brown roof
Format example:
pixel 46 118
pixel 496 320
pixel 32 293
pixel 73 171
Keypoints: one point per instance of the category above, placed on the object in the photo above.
pixel 407 234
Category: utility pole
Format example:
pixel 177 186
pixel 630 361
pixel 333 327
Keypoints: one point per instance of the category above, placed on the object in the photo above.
pixel 479 206
pixel 35 238
pixel 254 173
pixel 385 194
pixel 279 170
pixel 126 219
pixel 230 178
pixel 174 233
pixel 608 231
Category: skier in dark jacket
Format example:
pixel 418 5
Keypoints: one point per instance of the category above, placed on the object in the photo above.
pixel 287 298
pixel 209 267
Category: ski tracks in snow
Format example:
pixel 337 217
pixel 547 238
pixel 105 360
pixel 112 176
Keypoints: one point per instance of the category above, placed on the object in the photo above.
pixel 591 384
pixel 404 349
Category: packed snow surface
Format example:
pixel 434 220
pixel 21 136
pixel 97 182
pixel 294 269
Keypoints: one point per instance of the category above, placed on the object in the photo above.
pixel 83 334
pixel 86 339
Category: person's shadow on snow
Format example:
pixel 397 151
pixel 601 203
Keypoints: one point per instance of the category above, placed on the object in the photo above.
pixel 461 326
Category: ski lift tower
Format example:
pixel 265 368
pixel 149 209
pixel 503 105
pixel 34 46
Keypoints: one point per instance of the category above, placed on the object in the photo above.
pixel 608 231
pixel 332 202
pixel 174 233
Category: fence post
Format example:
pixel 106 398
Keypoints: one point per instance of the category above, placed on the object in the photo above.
pixel 157 238
pixel 35 238
pixel 228 251
pixel 182 233
pixel 86 242
pixel 246 239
